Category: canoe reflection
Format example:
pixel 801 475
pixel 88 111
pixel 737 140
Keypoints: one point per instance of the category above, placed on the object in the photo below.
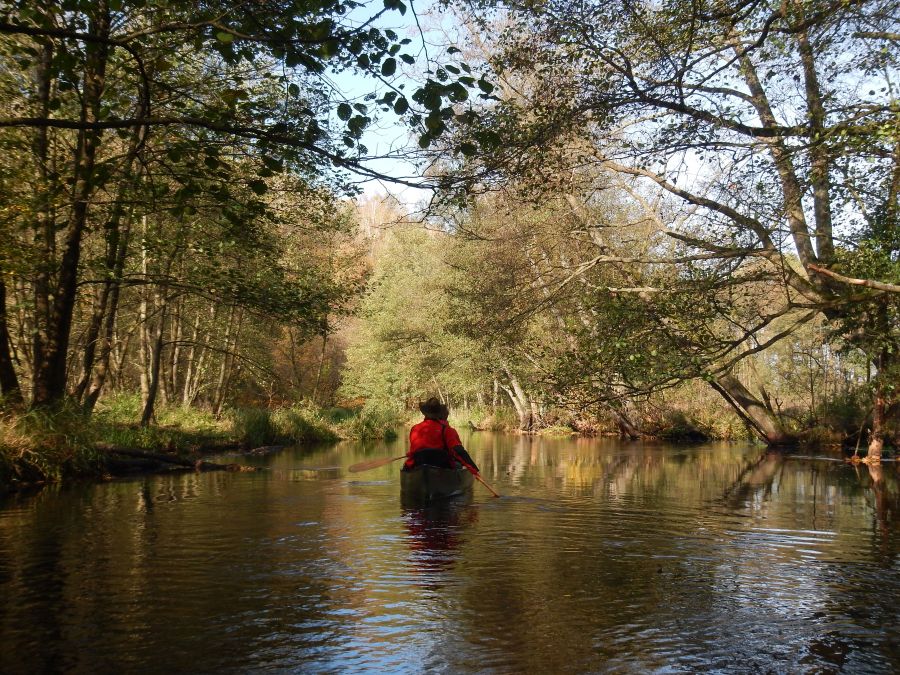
pixel 435 532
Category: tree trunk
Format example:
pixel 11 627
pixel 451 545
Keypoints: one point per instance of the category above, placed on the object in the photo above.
pixel 9 382
pixel 143 319
pixel 626 428
pixel 876 439
pixel 44 239
pixel 155 366
pixel 22 351
pixel 102 368
pixel 222 381
pixel 103 301
pixel 882 400
pixel 520 401
pixel 189 366
pixel 150 378
pixel 116 245
pixel 49 379
pixel 172 380
pixel 315 392
pixel 753 411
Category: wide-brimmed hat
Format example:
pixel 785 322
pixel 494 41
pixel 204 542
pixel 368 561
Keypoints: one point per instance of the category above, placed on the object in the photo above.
pixel 434 409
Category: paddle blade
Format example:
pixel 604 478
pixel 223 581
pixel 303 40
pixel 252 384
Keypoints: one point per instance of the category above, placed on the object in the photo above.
pixel 373 464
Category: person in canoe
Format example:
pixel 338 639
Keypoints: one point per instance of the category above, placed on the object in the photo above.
pixel 434 442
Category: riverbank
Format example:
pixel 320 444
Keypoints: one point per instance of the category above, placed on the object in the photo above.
pixel 40 447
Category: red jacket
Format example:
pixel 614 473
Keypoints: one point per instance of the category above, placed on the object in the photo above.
pixel 432 435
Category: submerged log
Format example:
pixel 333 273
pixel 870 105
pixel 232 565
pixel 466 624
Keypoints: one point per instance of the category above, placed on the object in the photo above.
pixel 147 455
pixel 144 459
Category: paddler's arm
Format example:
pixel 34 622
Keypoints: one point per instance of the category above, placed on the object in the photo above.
pixel 460 452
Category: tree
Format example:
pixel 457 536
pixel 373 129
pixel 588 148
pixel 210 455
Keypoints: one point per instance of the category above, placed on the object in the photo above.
pixel 405 347
pixel 771 129
pixel 107 94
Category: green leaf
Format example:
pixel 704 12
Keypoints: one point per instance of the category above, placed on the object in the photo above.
pixel 389 67
pixel 259 187
pixel 329 48
pixel 222 36
pixel 401 106
pixel 344 111
pixel 434 124
pixel 293 89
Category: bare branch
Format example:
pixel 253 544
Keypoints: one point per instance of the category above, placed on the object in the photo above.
pixel 868 283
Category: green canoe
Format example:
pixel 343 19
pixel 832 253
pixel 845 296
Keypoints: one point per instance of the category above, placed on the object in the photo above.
pixel 425 483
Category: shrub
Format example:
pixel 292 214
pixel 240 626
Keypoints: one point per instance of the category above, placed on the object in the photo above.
pixel 41 445
pixel 374 420
pixel 557 430
pixel 820 437
pixel 120 408
pixel 300 424
pixel 253 426
pixel 681 429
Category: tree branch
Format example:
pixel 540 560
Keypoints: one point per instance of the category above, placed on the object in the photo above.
pixel 868 283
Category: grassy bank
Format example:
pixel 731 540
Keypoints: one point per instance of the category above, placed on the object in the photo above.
pixel 40 446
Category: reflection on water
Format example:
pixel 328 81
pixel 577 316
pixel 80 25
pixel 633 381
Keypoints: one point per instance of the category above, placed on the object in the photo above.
pixel 600 556
pixel 435 533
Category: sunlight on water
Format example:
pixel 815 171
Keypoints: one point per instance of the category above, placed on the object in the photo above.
pixel 599 556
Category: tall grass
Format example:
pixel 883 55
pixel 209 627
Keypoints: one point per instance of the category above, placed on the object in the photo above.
pixel 298 424
pixel 374 420
pixel 116 423
pixel 41 445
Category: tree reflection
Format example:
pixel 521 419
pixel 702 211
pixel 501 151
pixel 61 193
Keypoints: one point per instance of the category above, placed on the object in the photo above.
pixel 755 480
pixel 886 500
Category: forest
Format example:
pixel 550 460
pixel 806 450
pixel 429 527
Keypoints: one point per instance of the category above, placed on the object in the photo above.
pixel 656 220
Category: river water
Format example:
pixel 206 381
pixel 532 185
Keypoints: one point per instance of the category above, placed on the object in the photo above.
pixel 599 557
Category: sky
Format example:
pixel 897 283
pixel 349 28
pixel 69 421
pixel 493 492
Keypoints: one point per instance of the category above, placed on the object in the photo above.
pixel 387 137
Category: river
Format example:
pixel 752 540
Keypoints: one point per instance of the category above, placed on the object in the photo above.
pixel 599 557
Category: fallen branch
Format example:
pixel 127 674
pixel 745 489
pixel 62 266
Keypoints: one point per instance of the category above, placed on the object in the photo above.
pixel 144 454
pixel 197 465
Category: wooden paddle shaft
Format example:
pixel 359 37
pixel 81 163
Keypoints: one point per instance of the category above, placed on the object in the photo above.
pixel 373 464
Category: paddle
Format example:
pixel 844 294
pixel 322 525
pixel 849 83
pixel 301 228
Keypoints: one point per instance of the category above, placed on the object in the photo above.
pixel 373 464
pixel 477 475
pixel 481 480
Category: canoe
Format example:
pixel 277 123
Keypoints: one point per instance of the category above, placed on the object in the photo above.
pixel 426 483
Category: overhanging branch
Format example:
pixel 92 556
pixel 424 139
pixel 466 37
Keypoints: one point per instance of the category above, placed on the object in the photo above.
pixel 867 283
